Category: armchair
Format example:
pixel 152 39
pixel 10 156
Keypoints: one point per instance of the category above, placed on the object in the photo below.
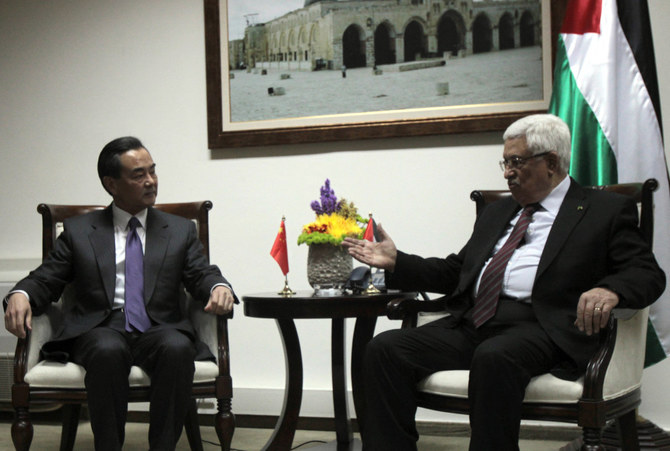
pixel 45 382
pixel 610 389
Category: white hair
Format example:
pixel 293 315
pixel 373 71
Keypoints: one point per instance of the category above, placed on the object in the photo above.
pixel 543 133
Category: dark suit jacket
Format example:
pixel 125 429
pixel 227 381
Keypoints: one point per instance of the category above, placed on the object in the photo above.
pixel 83 263
pixel 594 242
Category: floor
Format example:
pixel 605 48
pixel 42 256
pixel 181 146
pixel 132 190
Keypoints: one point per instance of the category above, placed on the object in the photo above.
pixel 47 438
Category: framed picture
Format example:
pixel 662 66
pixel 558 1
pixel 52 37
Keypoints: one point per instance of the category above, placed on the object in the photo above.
pixel 298 71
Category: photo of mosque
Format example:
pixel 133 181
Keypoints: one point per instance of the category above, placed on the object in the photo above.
pixel 331 34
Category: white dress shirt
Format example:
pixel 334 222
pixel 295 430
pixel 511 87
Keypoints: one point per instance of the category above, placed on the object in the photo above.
pixel 521 269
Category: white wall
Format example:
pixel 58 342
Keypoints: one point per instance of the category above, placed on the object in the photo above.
pixel 77 73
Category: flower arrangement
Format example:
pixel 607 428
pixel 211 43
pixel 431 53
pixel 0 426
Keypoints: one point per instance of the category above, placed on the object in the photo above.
pixel 335 220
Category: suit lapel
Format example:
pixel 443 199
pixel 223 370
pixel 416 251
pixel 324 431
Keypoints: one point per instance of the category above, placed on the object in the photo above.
pixel 155 248
pixel 102 242
pixel 572 211
pixel 488 235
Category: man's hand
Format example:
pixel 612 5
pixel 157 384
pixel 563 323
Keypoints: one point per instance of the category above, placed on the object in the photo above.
pixel 380 255
pixel 220 301
pixel 19 315
pixel 594 308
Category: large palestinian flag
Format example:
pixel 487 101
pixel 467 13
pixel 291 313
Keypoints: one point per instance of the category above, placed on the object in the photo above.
pixel 605 88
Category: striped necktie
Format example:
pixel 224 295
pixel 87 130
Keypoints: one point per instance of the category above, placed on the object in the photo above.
pixel 486 301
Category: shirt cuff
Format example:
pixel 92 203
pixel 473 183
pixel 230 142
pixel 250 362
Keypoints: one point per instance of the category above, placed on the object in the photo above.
pixel 5 301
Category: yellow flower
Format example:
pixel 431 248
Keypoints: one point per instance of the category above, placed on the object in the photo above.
pixel 335 225
pixel 339 226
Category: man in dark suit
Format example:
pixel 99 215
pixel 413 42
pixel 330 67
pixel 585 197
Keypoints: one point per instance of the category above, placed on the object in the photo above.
pixel 527 294
pixel 102 329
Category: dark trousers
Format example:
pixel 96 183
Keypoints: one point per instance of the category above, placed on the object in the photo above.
pixel 107 353
pixel 502 356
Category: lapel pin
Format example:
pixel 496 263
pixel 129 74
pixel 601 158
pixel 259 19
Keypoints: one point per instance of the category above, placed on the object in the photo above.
pixel 579 208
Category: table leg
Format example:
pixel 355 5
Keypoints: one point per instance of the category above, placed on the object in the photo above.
pixel 338 355
pixel 282 437
pixel 363 332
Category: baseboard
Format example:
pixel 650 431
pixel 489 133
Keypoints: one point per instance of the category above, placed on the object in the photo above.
pixel 548 432
pixel 527 432
pixel 650 435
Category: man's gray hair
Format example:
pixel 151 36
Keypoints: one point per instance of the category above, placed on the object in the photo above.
pixel 543 133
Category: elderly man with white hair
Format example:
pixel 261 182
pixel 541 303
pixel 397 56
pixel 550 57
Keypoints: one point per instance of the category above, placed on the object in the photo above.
pixel 528 293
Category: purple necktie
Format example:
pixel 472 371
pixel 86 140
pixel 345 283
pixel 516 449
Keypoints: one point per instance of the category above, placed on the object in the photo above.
pixel 490 286
pixel 136 314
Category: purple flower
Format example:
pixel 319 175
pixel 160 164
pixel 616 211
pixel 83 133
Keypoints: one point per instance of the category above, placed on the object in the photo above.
pixel 329 203
pixel 316 206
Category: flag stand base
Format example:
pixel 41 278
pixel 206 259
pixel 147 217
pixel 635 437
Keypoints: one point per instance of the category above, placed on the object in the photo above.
pixel 371 289
pixel 286 292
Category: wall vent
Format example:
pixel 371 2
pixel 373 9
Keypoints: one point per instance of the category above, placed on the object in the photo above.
pixel 6 376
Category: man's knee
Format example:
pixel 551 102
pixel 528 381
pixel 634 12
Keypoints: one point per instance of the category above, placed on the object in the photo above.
pixel 177 346
pixel 494 368
pixel 382 345
pixel 102 352
pixel 487 357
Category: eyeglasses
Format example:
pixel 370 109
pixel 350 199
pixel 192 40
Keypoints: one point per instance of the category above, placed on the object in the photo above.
pixel 517 162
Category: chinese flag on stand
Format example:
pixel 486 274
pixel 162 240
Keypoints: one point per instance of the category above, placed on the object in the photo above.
pixel 279 251
pixel 370 230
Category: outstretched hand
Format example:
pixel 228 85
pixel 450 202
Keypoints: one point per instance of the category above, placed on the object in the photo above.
pixel 379 255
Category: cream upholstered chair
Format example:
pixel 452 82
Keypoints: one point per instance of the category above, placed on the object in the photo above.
pixel 46 382
pixel 610 389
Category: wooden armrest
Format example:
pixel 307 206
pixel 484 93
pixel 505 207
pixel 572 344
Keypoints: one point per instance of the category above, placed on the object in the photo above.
pixel 27 352
pixel 402 308
pixel 210 329
pixel 622 344
pixel 21 358
pixel 597 366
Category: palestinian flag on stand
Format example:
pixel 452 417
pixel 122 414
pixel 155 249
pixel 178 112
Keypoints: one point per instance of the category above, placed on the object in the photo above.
pixel 369 233
pixel 605 88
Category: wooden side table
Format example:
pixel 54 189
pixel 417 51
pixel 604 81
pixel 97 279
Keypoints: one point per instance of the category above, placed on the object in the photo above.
pixel 304 305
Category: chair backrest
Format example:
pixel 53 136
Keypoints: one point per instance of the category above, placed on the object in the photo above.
pixel 53 216
pixel 642 193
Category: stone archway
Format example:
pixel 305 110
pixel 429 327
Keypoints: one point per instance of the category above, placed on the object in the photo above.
pixel 414 41
pixel 353 47
pixel 527 28
pixel 384 45
pixel 506 32
pixel 482 36
pixel 449 35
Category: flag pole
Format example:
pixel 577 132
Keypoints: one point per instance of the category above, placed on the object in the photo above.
pixel 371 289
pixel 280 253
pixel 286 292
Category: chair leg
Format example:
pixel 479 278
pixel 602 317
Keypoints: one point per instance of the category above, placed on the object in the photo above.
pixel 71 414
pixel 192 427
pixel 224 423
pixel 592 438
pixel 627 427
pixel 22 429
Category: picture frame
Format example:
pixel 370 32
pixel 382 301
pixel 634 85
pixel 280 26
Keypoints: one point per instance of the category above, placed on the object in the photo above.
pixel 225 133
